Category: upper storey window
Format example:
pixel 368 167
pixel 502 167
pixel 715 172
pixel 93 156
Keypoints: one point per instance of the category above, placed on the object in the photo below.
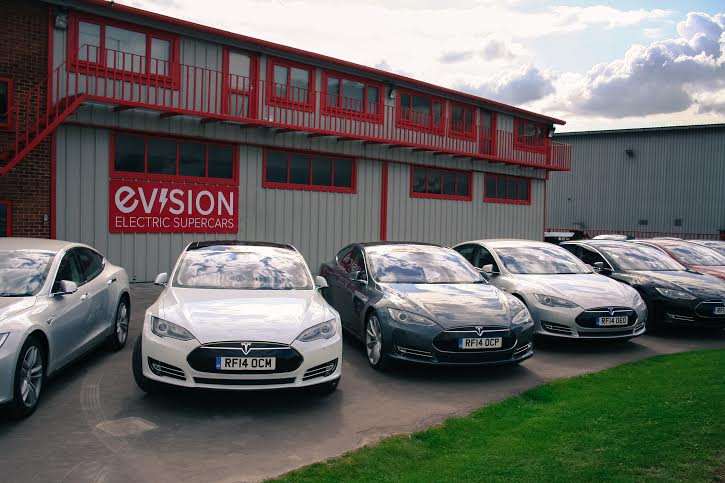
pixel 462 121
pixel 530 135
pixel 123 48
pixel 351 97
pixel 420 111
pixel 290 84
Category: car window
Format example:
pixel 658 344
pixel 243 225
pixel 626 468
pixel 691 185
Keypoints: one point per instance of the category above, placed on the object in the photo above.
pixel 540 260
pixel 23 272
pixel 357 262
pixel 692 254
pixel 486 258
pixel 343 258
pixel 90 262
pixel 632 256
pixel 468 252
pixel 68 270
pixel 419 264
pixel 591 257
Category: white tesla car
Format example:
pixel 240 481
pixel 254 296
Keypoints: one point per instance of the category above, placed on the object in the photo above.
pixel 565 296
pixel 240 315
pixel 58 300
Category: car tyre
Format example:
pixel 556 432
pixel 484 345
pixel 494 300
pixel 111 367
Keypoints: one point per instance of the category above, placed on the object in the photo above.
pixel 30 372
pixel 118 338
pixel 326 388
pixel 375 345
pixel 144 383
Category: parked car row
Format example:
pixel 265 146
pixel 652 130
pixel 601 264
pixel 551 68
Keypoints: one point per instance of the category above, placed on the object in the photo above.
pixel 251 315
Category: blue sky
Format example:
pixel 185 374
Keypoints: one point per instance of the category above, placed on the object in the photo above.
pixel 597 65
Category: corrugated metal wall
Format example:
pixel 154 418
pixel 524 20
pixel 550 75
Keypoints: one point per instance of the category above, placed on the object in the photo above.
pixel 673 174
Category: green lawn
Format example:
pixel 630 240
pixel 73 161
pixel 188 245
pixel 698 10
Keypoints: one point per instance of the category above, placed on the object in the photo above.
pixel 659 419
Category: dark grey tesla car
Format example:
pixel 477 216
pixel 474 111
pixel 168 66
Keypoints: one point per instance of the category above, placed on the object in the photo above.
pixel 425 303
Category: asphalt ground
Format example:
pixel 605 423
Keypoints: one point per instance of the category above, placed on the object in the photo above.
pixel 95 425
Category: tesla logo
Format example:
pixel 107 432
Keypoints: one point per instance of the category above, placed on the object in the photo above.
pixel 611 311
pixel 246 347
pixel 479 330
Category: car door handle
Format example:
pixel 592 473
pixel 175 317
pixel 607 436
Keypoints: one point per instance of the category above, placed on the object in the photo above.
pixel 111 281
pixel 84 296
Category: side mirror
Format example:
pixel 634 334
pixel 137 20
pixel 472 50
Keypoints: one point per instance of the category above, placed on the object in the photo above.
pixel 161 279
pixel 66 287
pixel 599 267
pixel 320 282
pixel 488 269
pixel 358 276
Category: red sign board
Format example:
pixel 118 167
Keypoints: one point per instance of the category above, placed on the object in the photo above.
pixel 169 207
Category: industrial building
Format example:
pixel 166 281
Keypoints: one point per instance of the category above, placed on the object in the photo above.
pixel 663 181
pixel 137 133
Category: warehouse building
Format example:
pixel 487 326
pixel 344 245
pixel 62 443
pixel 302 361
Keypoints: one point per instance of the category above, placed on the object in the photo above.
pixel 665 181
pixel 137 133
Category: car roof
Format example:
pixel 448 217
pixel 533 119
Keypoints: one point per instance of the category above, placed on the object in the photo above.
pixel 198 245
pixel 13 243
pixel 393 243
pixel 600 243
pixel 507 242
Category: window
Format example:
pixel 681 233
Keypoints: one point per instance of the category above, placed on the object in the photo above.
pixel 290 84
pixel 356 98
pixel 6 102
pixel 6 218
pixel 469 252
pixel 445 184
pixel 121 48
pixel 165 157
pixel 240 73
pixel 501 188
pixel 462 121
pixel 308 171
pixel 530 136
pixel 90 262
pixel 487 143
pixel 68 270
pixel 420 111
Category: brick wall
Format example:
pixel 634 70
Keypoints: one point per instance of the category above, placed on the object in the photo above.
pixel 24 58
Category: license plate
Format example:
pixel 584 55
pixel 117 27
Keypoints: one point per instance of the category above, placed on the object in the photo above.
pixel 610 321
pixel 246 363
pixel 719 311
pixel 481 343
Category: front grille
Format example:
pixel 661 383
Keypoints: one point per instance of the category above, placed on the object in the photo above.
pixel 323 370
pixel 203 358
pixel 166 370
pixel 707 309
pixel 588 318
pixel 523 350
pixel 408 351
pixel 555 328
pixel 243 382
pixel 447 341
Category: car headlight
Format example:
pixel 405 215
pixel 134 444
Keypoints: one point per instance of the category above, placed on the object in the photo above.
pixel 551 301
pixel 405 317
pixel 164 328
pixel 522 317
pixel 325 330
pixel 671 293
pixel 4 337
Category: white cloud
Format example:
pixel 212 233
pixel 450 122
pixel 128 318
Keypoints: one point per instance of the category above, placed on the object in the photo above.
pixel 517 87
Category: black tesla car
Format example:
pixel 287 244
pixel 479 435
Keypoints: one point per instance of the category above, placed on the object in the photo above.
pixel 674 295
pixel 425 303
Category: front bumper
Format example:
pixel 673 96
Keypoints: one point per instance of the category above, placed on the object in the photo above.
pixel 562 322
pixel 8 362
pixel 436 346
pixel 697 313
pixel 171 365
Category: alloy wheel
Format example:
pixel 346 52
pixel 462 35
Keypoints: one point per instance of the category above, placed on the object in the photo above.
pixel 122 324
pixel 374 340
pixel 31 376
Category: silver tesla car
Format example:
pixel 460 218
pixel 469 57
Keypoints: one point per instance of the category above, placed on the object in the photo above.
pixel 57 301
pixel 565 296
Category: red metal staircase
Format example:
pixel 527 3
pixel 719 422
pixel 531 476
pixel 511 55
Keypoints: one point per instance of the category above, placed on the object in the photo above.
pixel 33 120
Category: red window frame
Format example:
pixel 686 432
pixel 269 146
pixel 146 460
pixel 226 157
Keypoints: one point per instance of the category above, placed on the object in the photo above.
pixel 401 121
pixel 504 200
pixel 287 101
pixel 308 187
pixel 341 111
pixel 524 143
pixel 206 179
pixel 468 132
pixel 487 141
pixel 11 94
pixel 100 68
pixel 441 196
pixel 8 217
pixel 251 89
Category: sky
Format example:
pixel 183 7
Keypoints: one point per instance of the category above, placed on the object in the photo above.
pixel 595 64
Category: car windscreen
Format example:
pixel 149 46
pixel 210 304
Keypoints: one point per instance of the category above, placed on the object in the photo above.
pixel 696 255
pixel 419 264
pixel 639 258
pixel 540 260
pixel 243 268
pixel 23 272
pixel 718 246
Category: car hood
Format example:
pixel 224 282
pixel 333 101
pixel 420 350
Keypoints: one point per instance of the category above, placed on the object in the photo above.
pixel 715 271
pixel 453 305
pixel 217 315
pixel 700 285
pixel 588 290
pixel 13 306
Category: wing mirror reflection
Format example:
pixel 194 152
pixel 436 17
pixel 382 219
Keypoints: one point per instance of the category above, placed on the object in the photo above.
pixel 358 276
pixel 489 270
pixel 320 282
pixel 599 267
pixel 66 287
pixel 161 279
